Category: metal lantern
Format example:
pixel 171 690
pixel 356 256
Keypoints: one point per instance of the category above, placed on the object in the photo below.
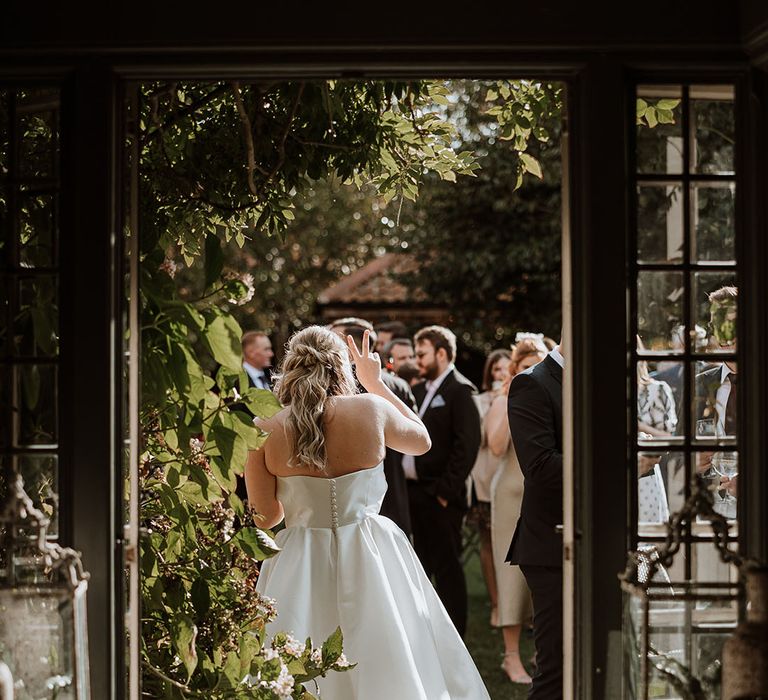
pixel 674 631
pixel 43 632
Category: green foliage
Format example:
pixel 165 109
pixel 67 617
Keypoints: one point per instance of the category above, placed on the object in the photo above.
pixel 653 113
pixel 223 164
pixel 489 247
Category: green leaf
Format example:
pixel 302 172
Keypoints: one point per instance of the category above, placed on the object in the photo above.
pixel 667 104
pixel 261 402
pixel 332 647
pixel 256 543
pixel 650 117
pixel 222 336
pixel 223 474
pixel 214 260
pixel 201 597
pixel 183 635
pixel 531 164
pixel 233 448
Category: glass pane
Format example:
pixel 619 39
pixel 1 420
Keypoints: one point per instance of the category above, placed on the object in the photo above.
pixel 715 307
pixel 37 223
pixel 36 404
pixel 5 228
pixel 5 318
pixel 659 223
pixel 715 409
pixel 659 398
pixel 6 414
pixel 37 641
pixel 36 327
pixel 41 482
pixel 655 491
pixel 660 311
pixel 659 129
pixel 37 133
pixel 713 211
pixel 4 134
pixel 706 566
pixel 712 118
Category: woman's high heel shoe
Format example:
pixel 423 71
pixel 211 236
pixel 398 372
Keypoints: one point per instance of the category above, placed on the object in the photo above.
pixel 521 678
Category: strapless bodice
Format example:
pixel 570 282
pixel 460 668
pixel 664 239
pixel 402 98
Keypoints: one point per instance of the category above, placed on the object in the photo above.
pixel 318 502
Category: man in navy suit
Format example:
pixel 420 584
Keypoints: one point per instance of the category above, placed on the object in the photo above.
pixel 257 359
pixel 535 407
pixel 437 479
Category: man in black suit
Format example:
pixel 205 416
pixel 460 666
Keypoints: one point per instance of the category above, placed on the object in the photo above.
pixel 717 386
pixel 257 359
pixel 395 504
pixel 436 480
pixel 536 423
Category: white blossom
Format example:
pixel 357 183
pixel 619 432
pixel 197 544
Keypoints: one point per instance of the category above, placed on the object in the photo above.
pixel 316 656
pixel 169 267
pixel 293 647
pixel 247 279
pixel 342 662
pixel 270 653
pixel 283 685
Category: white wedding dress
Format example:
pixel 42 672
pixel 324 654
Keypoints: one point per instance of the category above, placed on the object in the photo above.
pixel 342 564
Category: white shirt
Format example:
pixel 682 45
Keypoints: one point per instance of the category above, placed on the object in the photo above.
pixel 721 398
pixel 257 375
pixel 554 353
pixel 409 461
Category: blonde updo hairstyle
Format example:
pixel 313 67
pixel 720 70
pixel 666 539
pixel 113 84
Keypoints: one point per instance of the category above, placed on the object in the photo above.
pixel 316 367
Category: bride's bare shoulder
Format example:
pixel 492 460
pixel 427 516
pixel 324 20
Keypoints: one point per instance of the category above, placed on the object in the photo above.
pixel 268 425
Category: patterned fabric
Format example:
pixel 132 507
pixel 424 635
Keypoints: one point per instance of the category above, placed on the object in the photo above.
pixel 656 406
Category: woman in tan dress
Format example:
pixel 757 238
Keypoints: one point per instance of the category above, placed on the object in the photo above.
pixel 495 376
pixel 514 599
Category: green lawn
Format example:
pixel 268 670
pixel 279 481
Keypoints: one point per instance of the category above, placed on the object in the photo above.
pixel 485 642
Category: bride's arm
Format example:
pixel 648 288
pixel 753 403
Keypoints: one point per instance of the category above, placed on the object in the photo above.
pixel 262 491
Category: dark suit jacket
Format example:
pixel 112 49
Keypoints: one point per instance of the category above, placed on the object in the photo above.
pixel 705 399
pixel 454 428
pixel 395 505
pixel 535 408
pixel 267 376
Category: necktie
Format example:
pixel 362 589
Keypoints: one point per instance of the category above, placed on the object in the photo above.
pixel 731 405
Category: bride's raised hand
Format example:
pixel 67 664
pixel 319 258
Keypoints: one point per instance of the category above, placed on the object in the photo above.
pixel 367 363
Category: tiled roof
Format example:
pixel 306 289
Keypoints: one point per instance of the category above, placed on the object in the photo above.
pixel 374 283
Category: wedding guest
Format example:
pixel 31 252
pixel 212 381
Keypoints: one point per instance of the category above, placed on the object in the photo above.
pixel 409 372
pixel 515 607
pixel 536 424
pixel 385 332
pixel 436 480
pixel 717 387
pixel 397 353
pixel 656 417
pixel 257 359
pixel 395 504
pixel 495 372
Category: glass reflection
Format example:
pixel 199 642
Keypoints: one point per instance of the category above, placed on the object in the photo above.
pixel 36 324
pixel 40 474
pixel 37 127
pixel 715 308
pixel 713 210
pixel 36 405
pixel 659 223
pixel 660 311
pixel 712 117
pixel 36 230
pixel 659 129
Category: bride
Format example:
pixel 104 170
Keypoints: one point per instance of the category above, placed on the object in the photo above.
pixel 342 564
